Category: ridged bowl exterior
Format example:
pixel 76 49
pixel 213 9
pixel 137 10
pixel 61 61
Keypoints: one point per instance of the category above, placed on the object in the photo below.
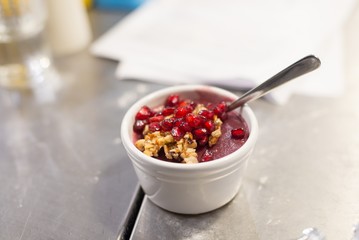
pixel 188 188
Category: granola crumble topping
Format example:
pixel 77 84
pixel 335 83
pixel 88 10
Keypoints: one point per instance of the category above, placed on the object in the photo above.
pixel 192 125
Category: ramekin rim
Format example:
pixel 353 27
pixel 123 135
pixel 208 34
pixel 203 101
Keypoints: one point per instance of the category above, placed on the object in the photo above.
pixel 129 146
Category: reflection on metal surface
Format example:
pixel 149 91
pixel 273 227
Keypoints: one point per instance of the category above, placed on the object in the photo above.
pixel 46 88
pixel 232 221
pixel 62 174
pixel 43 91
pixel 355 232
pixel 131 95
pixel 314 234
pixel 311 234
pixel 131 215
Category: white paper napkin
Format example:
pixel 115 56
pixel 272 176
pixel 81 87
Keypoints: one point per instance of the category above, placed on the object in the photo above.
pixel 232 43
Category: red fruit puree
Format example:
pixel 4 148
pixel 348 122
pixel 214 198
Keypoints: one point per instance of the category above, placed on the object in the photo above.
pixel 189 128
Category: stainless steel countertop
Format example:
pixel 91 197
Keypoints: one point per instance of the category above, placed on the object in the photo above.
pixel 65 174
pixel 304 172
pixel 63 171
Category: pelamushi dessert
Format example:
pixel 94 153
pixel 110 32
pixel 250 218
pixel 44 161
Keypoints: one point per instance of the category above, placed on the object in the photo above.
pixel 189 128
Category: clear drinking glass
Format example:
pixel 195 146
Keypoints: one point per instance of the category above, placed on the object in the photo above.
pixel 24 59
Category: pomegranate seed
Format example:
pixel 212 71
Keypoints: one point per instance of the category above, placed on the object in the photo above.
pixel 185 127
pixel 220 108
pixel 183 103
pixel 203 119
pixel 144 113
pixel 206 113
pixel 194 120
pixel 177 122
pixel 189 108
pixel 181 112
pixel 154 126
pixel 209 125
pixel 193 104
pixel 167 124
pixel 203 141
pixel 200 133
pixel 238 133
pixel 168 111
pixel 172 101
pixel 210 106
pixel 139 125
pixel 177 133
pixel 158 118
pixel 188 103
pixel 207 156
pixel 158 113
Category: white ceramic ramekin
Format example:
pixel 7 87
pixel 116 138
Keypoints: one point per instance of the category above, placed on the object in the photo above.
pixel 188 188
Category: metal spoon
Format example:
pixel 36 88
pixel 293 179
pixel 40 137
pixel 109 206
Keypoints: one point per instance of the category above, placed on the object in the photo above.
pixel 303 66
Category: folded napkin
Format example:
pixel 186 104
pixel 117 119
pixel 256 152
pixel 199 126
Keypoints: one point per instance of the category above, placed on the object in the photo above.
pixel 232 43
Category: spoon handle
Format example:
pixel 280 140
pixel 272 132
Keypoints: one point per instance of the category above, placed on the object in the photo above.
pixel 303 66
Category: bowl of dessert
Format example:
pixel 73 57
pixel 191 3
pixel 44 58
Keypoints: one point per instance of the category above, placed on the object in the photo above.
pixel 188 151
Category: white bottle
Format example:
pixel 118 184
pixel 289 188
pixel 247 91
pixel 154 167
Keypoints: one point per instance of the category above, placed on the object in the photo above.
pixel 68 26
